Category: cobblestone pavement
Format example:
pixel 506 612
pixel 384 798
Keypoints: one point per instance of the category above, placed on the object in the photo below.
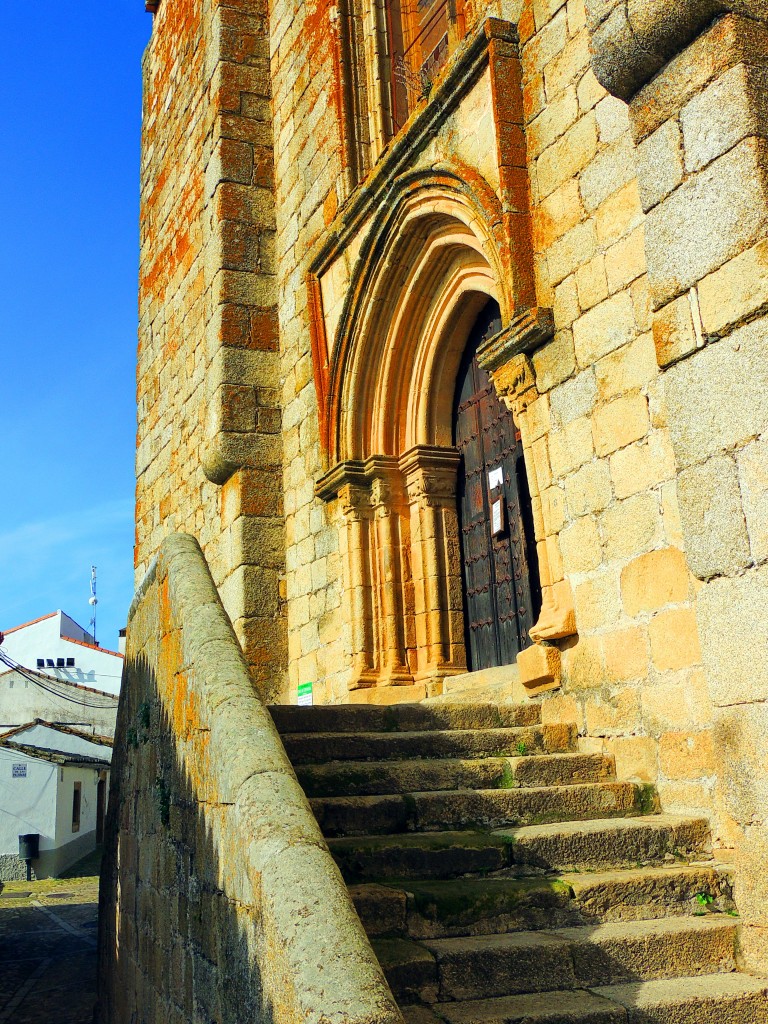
pixel 48 951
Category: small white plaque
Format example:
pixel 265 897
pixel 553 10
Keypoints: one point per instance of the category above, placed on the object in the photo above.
pixel 19 771
pixel 495 478
pixel 305 695
pixel 497 517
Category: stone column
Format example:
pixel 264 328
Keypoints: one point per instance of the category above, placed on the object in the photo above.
pixel 430 476
pixel 348 483
pixel 388 505
pixel 505 356
pixel 694 74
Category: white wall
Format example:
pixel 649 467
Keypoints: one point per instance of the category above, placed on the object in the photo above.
pixel 22 702
pixel 88 779
pixel 59 636
pixel 27 805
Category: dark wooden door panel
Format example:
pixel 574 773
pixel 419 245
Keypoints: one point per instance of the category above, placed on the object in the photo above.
pixel 502 593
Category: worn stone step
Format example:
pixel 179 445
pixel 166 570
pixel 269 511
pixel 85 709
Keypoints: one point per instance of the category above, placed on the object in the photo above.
pixel 651 892
pixel 586 957
pixel 606 844
pixel 567 846
pixel 427 812
pixel 568 1007
pixel 403 717
pixel 485 906
pixel 420 855
pixel 710 999
pixel 313 748
pixel 410 970
pixel 464 906
pixel 375 778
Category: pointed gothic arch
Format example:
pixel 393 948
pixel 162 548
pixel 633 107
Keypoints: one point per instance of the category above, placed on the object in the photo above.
pixel 426 272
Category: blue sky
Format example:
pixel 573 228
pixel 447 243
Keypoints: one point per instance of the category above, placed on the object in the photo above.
pixel 69 168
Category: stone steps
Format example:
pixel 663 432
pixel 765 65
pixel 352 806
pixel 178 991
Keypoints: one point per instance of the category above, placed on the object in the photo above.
pixel 566 846
pixel 311 748
pixel 505 878
pixel 484 809
pixel 482 906
pixel 710 999
pixel 492 966
pixel 402 717
pixel 377 778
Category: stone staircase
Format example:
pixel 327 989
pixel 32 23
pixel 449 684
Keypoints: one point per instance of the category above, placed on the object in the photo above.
pixel 505 878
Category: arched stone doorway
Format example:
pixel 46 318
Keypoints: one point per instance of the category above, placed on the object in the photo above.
pixel 399 324
pixel 500 577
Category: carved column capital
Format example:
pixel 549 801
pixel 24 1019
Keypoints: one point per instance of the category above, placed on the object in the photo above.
pixel 430 474
pixel 386 483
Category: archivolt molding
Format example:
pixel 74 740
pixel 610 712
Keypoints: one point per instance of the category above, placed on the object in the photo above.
pixel 411 272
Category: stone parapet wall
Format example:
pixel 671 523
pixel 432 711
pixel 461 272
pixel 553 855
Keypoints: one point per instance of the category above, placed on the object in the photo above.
pixel 209 452
pixel 219 898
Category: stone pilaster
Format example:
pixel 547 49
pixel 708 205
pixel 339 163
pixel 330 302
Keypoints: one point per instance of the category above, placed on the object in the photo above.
pixel 430 476
pixel 390 571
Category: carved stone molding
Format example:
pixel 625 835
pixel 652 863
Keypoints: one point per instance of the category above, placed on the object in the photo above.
pixel 352 472
pixel 515 382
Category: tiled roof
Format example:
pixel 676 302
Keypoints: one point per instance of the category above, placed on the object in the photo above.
pixel 32 623
pixel 62 757
pixel 93 647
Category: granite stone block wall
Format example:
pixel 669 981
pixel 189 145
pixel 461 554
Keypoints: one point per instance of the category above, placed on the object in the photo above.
pixel 698 120
pixel 209 452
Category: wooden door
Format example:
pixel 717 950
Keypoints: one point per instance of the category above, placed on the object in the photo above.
pixel 502 592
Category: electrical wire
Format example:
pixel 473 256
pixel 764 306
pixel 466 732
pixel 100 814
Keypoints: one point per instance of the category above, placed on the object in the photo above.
pixel 33 678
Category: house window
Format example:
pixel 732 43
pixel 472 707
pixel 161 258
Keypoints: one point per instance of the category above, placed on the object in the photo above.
pixel 77 796
pixel 421 34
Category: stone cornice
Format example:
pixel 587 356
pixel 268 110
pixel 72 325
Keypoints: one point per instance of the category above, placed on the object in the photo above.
pixel 633 39
pixel 529 330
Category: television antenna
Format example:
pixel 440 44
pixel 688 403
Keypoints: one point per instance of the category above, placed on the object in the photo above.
pixel 93 601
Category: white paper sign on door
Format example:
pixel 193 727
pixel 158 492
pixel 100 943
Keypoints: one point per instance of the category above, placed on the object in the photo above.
pixel 495 478
pixel 497 517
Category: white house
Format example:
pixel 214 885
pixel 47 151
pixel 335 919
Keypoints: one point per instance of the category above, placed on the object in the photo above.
pixel 26 696
pixel 54 783
pixel 56 645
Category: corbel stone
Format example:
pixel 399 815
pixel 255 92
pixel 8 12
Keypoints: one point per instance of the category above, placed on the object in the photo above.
pixel 527 332
pixel 633 39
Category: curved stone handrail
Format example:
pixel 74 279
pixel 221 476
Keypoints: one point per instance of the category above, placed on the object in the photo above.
pixel 201 777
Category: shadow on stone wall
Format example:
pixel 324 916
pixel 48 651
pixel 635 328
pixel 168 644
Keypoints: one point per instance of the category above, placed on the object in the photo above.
pixel 219 899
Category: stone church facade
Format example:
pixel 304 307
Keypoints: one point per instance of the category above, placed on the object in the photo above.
pixel 453 357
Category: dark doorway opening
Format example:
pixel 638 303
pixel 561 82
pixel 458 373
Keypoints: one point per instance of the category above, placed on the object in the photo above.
pixel 502 590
